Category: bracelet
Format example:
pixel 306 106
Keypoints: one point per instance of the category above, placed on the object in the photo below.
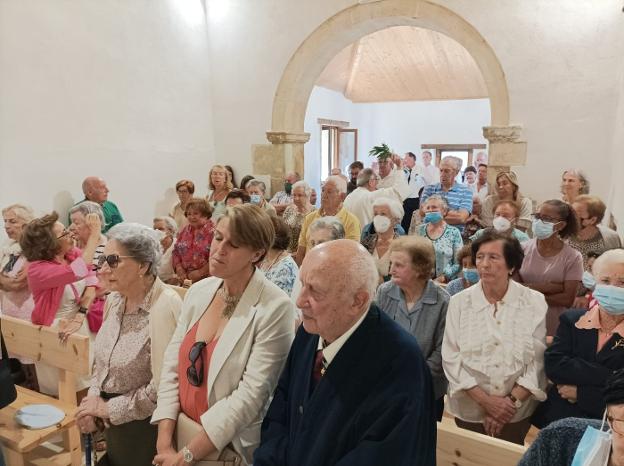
pixel 83 310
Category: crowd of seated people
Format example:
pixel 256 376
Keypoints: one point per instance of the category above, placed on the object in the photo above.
pixel 500 316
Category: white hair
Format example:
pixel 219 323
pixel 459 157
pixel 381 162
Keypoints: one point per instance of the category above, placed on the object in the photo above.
pixel 140 242
pixel 455 161
pixel 440 199
pixel 254 182
pixel 366 278
pixel 307 189
pixel 612 256
pixel 396 209
pixel 88 207
pixel 331 224
pixel 341 183
pixel 23 212
pixel 170 224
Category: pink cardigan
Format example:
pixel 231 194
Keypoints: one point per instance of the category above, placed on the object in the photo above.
pixel 47 280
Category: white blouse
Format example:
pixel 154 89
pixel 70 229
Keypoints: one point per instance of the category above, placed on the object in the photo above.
pixel 494 352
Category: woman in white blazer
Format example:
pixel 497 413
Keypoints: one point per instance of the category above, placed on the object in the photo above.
pixel 225 357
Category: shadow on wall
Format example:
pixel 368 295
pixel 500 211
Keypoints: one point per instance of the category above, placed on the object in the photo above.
pixel 166 203
pixel 63 201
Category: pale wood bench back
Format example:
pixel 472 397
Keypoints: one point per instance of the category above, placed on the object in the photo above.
pixel 42 344
pixel 460 447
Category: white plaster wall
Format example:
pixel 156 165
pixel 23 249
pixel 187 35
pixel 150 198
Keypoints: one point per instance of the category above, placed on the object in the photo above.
pixel 559 57
pixel 404 126
pixel 110 88
pixel 616 192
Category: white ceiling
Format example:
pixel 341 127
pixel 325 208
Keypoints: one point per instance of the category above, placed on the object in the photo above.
pixel 404 63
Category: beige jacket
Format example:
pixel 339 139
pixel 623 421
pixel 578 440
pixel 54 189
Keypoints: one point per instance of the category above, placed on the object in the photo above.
pixel 245 365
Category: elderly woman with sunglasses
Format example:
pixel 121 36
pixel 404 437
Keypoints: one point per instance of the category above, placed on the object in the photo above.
pixel 141 314
pixel 227 352
pixel 61 280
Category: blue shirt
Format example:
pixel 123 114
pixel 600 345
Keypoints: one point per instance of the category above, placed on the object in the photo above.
pixel 458 197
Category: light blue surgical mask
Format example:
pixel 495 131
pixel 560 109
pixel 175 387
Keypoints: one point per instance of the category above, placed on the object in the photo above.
pixel 610 298
pixel 589 281
pixel 433 217
pixel 542 229
pixel 594 448
pixel 255 198
pixel 471 275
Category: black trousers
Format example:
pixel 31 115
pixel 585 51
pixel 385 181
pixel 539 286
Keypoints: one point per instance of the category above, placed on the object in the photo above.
pixel 410 205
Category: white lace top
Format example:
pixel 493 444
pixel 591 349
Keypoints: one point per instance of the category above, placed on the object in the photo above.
pixel 492 351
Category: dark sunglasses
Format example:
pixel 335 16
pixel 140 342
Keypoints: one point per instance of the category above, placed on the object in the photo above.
pixel 195 376
pixel 64 234
pixel 112 260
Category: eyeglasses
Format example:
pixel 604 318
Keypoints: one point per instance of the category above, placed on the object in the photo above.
pixel 545 218
pixel 112 260
pixel 195 376
pixel 64 234
pixel 616 424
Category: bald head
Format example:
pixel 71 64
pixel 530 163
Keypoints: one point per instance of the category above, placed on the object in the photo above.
pixel 95 189
pixel 338 279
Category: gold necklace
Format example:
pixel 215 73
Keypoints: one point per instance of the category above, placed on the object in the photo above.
pixel 230 301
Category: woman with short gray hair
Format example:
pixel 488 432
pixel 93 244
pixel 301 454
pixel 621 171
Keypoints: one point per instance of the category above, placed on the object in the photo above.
pixel 257 191
pixel 79 229
pixel 168 229
pixel 296 212
pixel 141 315
pixel 325 229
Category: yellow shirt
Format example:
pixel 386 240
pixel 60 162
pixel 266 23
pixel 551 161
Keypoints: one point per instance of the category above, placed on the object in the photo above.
pixel 349 221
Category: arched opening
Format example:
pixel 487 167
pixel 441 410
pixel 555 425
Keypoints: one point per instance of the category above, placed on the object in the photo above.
pixel 313 55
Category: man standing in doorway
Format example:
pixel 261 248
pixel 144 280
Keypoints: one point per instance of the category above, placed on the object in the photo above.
pixel 415 183
pixel 429 172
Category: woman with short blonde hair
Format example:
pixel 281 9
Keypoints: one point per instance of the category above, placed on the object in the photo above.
pixel 220 184
pixel 507 189
pixel 224 360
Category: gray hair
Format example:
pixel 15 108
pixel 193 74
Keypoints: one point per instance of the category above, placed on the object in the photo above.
pixel 612 256
pixel 440 199
pixel 341 183
pixel 170 224
pixel 23 212
pixel 254 182
pixel 396 209
pixel 366 278
pixel 88 207
pixel 307 189
pixel 455 161
pixel 330 223
pixel 582 178
pixel 365 176
pixel 140 242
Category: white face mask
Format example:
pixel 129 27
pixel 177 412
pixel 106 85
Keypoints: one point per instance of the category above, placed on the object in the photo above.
pixel 381 223
pixel 501 224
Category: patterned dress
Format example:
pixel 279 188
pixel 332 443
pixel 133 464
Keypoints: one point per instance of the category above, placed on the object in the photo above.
pixel 446 248
pixel 284 274
pixel 294 219
pixel 192 248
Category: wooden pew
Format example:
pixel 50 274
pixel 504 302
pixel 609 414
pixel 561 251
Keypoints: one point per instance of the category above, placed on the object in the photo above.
pixel 460 447
pixel 42 344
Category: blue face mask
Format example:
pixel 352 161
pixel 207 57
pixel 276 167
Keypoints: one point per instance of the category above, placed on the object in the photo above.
pixel 610 298
pixel 542 229
pixel 589 281
pixel 433 217
pixel 255 199
pixel 594 448
pixel 471 275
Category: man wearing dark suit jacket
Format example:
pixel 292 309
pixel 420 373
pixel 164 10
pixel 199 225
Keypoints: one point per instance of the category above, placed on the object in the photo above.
pixel 356 390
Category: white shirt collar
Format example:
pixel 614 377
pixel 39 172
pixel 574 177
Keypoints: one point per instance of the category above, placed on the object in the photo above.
pixel 331 350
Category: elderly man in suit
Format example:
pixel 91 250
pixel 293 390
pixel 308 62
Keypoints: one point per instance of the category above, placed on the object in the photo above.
pixel 356 389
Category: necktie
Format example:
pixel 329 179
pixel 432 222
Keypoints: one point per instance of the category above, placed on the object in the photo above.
pixel 319 368
pixel 409 175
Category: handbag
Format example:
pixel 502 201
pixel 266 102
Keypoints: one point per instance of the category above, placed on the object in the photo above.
pixel 8 394
pixel 186 429
pixel 96 314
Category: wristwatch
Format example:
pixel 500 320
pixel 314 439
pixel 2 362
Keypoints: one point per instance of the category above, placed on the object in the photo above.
pixel 517 403
pixel 83 310
pixel 187 455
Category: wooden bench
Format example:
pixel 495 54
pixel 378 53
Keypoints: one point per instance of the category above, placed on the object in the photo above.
pixel 41 344
pixel 460 447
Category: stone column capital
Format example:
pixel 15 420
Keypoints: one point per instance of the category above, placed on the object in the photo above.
pixel 285 137
pixel 502 134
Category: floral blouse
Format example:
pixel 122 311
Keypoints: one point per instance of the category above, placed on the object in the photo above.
pixel 294 219
pixel 192 248
pixel 284 274
pixel 446 248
